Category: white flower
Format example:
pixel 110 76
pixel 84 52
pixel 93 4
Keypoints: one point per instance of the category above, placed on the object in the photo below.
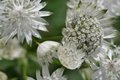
pixel 56 75
pixel 46 51
pixel 69 56
pixel 3 76
pixel 109 68
pixel 86 28
pixel 11 50
pixel 21 18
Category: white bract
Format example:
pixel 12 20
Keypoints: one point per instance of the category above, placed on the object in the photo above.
pixel 22 18
pixel 112 6
pixel 46 51
pixel 109 68
pixel 56 75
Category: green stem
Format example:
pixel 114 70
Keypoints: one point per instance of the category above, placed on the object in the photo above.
pixel 23 68
pixel 53 38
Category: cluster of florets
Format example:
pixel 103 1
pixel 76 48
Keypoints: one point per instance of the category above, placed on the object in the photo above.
pixel 85 32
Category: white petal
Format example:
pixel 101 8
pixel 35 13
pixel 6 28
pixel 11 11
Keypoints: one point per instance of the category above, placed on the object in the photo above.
pixel 37 7
pixel 28 37
pixel 58 74
pixel 38 75
pixel 44 13
pixel 101 13
pixel 41 27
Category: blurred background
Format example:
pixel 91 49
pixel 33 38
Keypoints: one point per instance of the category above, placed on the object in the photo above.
pixel 14 68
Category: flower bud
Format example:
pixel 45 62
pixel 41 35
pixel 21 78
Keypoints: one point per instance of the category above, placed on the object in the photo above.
pixel 47 50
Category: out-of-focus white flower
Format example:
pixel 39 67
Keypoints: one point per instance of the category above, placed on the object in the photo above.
pixel 11 50
pixel 69 56
pixel 86 27
pixel 46 51
pixel 21 18
pixel 3 76
pixel 109 67
pixel 56 75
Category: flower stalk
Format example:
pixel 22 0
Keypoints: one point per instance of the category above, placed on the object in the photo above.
pixel 23 66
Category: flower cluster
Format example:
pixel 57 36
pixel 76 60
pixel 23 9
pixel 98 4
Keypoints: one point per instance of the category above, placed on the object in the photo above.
pixel 86 27
pixel 87 37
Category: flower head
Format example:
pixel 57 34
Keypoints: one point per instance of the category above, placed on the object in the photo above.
pixel 21 18
pixel 109 68
pixel 86 28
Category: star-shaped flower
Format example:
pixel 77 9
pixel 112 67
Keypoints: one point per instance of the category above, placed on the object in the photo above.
pixel 22 18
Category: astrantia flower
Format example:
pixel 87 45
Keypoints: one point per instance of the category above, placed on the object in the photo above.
pixel 86 27
pixel 22 18
pixel 109 67
pixel 56 75
pixel 11 50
